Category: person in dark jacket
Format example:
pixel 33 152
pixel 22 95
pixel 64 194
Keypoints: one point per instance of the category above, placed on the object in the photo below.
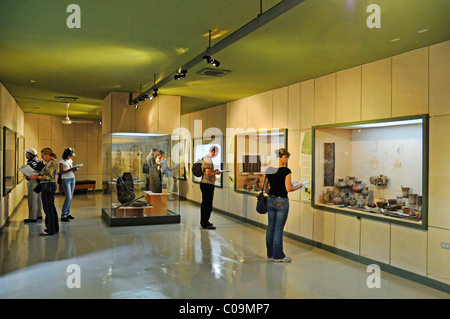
pixel 34 199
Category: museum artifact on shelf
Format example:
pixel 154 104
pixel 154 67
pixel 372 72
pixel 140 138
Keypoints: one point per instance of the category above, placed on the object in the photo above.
pixel 376 169
pixel 134 194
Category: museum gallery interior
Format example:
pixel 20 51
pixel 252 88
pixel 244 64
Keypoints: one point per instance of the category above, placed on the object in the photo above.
pixel 357 91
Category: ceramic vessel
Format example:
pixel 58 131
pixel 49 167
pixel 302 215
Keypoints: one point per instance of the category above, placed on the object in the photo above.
pixel 419 202
pixel 340 183
pixel 381 204
pixel 400 200
pixel 412 199
pixel 350 181
pixel 338 200
pixel 358 187
pixel 405 192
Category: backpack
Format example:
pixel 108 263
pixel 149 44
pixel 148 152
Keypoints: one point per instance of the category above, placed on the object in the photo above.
pixel 197 168
pixel 146 168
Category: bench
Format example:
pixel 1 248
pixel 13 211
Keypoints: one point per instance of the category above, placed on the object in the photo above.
pixel 81 185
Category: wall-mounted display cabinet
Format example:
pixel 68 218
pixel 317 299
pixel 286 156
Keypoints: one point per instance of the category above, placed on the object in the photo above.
pixel 201 147
pixel 376 169
pixel 138 196
pixel 254 153
pixel 9 160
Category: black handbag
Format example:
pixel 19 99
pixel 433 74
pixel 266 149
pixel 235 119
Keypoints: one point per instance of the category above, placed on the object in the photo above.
pixel 37 189
pixel 261 204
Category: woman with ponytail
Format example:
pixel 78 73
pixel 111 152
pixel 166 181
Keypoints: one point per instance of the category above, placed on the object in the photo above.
pixel 47 177
pixel 277 186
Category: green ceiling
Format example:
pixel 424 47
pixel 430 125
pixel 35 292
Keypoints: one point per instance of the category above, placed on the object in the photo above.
pixel 123 44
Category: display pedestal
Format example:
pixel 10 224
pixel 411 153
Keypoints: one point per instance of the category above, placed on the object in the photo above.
pixel 132 211
pixel 155 213
pixel 158 201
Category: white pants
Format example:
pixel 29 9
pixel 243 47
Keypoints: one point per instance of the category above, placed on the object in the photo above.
pixel 34 200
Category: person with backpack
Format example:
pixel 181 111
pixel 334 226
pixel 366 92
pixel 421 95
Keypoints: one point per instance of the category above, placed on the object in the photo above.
pixel 207 186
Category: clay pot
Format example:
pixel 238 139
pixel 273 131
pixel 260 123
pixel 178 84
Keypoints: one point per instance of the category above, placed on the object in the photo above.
pixel 352 201
pixel 392 202
pixel 400 200
pixel 357 187
pixel 381 204
pixel 405 192
pixel 419 201
pixel 365 191
pixel 350 181
pixel 340 183
pixel 338 200
pixel 412 199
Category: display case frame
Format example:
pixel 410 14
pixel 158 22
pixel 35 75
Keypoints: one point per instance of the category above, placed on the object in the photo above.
pixel 362 134
pixel 200 147
pixel 21 158
pixel 249 146
pixel 125 153
pixel 10 169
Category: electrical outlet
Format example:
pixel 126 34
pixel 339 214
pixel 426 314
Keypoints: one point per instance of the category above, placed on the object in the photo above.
pixel 445 245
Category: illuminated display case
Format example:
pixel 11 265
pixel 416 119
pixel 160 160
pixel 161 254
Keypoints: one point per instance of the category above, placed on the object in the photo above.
pixel 201 148
pixel 376 169
pixel 254 153
pixel 134 194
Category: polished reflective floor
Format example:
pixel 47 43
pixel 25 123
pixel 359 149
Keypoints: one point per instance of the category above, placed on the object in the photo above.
pixel 174 261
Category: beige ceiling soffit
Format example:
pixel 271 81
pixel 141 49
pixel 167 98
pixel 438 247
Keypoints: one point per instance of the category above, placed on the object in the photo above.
pixel 261 20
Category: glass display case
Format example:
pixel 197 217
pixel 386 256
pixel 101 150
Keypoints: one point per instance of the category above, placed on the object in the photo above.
pixel 9 160
pixel 201 148
pixel 21 159
pixel 140 179
pixel 377 169
pixel 254 153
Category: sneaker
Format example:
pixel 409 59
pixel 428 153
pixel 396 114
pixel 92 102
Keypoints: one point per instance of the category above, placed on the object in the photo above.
pixel 70 217
pixel 65 219
pixel 29 220
pixel 283 260
pixel 209 227
pixel 44 233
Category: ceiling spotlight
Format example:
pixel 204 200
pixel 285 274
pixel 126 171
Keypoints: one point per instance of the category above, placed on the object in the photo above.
pixel 136 105
pixel 180 74
pixel 211 61
pixel 155 94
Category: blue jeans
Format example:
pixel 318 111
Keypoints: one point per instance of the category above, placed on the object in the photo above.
pixel 69 187
pixel 278 209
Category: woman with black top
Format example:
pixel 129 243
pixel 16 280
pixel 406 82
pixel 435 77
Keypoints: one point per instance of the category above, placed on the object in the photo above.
pixel 277 186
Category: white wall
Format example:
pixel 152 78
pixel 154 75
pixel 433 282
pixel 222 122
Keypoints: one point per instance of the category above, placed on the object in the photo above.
pixel 412 83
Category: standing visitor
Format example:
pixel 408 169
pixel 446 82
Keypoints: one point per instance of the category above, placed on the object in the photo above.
pixel 34 199
pixel 277 186
pixel 66 169
pixel 207 186
pixel 47 177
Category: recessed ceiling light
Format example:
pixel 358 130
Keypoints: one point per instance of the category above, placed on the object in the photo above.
pixel 32 81
pixel 395 40
pixel 423 31
pixel 67 98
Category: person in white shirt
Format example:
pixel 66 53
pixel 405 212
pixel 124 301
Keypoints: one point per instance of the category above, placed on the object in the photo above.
pixel 66 169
